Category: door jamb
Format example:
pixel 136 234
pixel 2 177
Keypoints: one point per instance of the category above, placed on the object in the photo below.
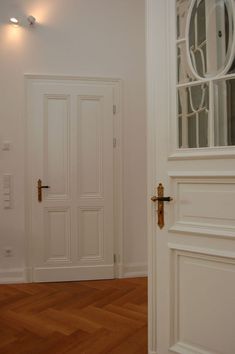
pixel 117 86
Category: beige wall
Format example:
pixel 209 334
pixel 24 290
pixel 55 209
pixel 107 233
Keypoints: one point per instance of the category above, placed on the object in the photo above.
pixel 103 38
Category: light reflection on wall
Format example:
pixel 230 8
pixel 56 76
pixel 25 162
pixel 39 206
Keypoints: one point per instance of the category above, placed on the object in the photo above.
pixel 13 34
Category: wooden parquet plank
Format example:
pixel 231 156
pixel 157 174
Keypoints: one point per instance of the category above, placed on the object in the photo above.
pixel 110 321
pixel 89 317
pixel 67 322
pixel 132 314
pixel 134 344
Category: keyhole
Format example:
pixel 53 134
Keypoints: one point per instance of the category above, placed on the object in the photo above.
pixel 220 34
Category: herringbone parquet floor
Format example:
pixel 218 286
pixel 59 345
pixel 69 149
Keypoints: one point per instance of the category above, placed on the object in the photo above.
pixel 95 317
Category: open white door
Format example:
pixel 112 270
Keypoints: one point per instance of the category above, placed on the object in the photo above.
pixel 70 149
pixel 191 138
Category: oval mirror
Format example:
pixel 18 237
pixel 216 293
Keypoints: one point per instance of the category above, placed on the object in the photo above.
pixel 210 37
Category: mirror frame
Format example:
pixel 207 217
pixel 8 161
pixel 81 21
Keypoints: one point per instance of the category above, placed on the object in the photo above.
pixel 224 69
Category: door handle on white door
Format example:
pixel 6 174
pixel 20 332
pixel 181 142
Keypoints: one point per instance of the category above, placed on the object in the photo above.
pixel 160 199
pixel 40 187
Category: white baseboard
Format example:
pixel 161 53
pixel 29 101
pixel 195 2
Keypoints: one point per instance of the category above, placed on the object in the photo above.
pixel 12 276
pixel 21 275
pixel 72 273
pixel 135 270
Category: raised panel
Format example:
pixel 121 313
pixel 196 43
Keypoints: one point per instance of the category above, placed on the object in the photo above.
pixel 91 234
pixel 57 235
pixel 201 286
pixel 56 146
pixel 90 141
pixel 205 205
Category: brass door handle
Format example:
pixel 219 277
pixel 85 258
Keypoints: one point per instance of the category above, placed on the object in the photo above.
pixel 160 199
pixel 40 187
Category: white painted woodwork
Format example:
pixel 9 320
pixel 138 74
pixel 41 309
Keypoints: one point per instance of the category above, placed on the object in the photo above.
pixel 91 234
pixel 57 234
pixel 192 259
pixel 56 145
pixel 195 197
pixel 199 319
pixel 71 151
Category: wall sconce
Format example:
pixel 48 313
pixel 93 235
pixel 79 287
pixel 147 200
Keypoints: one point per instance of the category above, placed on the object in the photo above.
pixel 31 20
pixel 14 21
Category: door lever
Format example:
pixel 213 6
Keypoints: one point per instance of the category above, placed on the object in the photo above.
pixel 40 187
pixel 160 199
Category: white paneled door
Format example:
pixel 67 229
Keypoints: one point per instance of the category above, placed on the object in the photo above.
pixel 70 129
pixel 191 95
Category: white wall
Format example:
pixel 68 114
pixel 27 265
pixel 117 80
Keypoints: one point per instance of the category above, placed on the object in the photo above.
pixel 103 38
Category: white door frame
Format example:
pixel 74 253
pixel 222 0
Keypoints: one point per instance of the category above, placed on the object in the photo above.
pixel 155 39
pixel 116 85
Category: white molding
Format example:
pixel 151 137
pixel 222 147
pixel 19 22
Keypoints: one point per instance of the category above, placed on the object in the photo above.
pixel 119 270
pixel 200 229
pixel 205 227
pixel 117 86
pixel 201 174
pixel 12 276
pixel 191 252
pixel 118 176
pixel 71 273
pixel 202 251
pixel 134 270
pixel 225 152
pixel 91 80
pixel 155 39
pixel 183 348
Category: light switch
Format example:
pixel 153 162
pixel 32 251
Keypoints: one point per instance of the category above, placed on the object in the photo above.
pixel 6 146
pixel 7 190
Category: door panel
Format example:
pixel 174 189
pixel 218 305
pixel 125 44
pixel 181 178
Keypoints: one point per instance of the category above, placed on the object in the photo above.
pixel 192 259
pixel 91 234
pixel 199 316
pixel 57 234
pixel 206 205
pixel 56 146
pixel 71 142
pixel 90 139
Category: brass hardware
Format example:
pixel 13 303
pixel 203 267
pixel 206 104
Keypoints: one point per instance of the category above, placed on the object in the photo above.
pixel 160 199
pixel 40 187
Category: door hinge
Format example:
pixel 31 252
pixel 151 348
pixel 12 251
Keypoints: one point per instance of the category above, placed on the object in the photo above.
pixel 114 142
pixel 114 109
pixel 114 258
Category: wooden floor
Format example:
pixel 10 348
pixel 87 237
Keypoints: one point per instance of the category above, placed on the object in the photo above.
pixel 108 317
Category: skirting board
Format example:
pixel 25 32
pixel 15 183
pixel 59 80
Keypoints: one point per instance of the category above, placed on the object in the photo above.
pixel 135 270
pixel 12 276
pixel 21 275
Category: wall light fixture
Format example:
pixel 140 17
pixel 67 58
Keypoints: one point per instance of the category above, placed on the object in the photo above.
pixel 14 21
pixel 31 20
